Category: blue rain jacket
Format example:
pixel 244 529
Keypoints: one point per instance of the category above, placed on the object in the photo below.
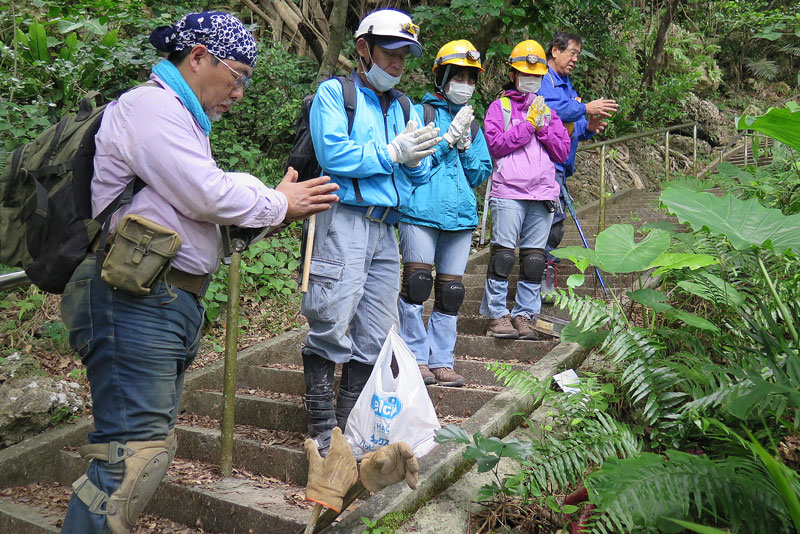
pixel 361 155
pixel 446 201
pixel 559 94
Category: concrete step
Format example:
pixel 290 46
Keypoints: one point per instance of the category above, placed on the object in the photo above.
pixel 502 349
pixel 237 504
pixel 17 518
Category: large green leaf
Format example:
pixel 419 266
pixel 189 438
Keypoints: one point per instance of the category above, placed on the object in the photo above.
pixel 617 252
pixel 715 290
pixel 38 43
pixel 782 124
pixel 693 320
pixel 746 223
pixel 671 261
pixel 651 298
pixel 582 257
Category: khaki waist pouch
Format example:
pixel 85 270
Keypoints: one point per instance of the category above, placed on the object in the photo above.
pixel 140 250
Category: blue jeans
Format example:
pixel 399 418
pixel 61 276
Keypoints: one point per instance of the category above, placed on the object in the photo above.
pixel 353 286
pixel 527 222
pixel 449 251
pixel 136 351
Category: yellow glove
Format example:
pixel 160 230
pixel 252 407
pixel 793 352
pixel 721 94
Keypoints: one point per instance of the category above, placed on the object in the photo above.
pixel 389 464
pixel 329 479
pixel 538 113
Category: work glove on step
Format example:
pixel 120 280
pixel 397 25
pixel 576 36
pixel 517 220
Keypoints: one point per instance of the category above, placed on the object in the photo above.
pixel 413 144
pixel 389 464
pixel 329 479
pixel 459 126
pixel 538 113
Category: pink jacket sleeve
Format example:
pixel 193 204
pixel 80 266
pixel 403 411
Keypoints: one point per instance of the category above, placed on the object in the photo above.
pixel 554 137
pixel 502 142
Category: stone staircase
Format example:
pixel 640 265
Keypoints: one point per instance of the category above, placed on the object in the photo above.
pixel 266 492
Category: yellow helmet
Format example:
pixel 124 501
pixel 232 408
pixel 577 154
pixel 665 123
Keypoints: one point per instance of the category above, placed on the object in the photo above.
pixel 529 57
pixel 460 52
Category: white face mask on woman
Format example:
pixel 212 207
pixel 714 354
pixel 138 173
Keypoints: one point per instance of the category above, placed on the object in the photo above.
pixel 529 84
pixel 459 93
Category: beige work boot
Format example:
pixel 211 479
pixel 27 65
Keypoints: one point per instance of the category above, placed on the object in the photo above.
pixel 523 325
pixel 427 377
pixel 502 328
pixel 446 376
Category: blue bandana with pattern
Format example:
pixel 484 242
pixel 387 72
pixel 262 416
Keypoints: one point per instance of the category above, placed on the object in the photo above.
pixel 172 76
pixel 221 33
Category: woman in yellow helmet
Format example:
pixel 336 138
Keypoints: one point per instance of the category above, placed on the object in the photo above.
pixel 524 138
pixel 437 223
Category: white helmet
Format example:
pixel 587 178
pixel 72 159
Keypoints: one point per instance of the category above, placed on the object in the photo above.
pixel 392 29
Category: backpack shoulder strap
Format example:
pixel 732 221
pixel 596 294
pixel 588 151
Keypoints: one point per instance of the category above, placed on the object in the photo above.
pixel 405 103
pixel 473 129
pixel 428 114
pixel 350 100
pixel 505 103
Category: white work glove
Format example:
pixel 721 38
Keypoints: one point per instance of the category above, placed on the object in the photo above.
pixel 539 113
pixel 459 127
pixel 413 144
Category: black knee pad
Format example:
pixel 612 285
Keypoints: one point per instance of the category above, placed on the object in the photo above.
pixel 531 264
pixel 417 282
pixel 556 234
pixel 449 294
pixel 501 263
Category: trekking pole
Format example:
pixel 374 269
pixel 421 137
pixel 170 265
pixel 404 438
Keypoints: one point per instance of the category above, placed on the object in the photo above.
pixel 485 210
pixel 312 224
pixel 231 341
pixel 568 202
pixel 314 517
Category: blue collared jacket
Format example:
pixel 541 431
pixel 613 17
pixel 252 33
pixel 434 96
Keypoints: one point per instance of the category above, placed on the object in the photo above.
pixel 559 94
pixel 446 201
pixel 361 156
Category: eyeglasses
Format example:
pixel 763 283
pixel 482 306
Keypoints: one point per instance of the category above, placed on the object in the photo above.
pixel 242 80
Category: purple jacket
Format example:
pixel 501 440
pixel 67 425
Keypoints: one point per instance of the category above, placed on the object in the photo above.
pixel 523 157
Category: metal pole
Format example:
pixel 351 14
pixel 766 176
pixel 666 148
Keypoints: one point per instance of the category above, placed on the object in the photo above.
pixel 666 157
pixel 485 210
pixel 601 221
pixel 745 148
pixel 694 149
pixel 231 342
pixel 571 208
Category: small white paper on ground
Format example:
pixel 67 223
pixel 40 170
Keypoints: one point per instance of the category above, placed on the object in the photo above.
pixel 566 380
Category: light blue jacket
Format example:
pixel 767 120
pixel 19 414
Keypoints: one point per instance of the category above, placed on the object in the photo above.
pixel 361 156
pixel 559 94
pixel 446 201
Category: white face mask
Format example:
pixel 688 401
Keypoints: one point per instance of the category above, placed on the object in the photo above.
pixel 459 93
pixel 380 79
pixel 529 84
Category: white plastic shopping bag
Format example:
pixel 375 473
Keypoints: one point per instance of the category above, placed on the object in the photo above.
pixel 391 409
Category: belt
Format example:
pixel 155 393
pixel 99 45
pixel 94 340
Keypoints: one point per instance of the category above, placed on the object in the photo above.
pixel 195 284
pixel 380 214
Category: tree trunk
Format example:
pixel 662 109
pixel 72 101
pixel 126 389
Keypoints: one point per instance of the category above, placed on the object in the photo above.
pixel 337 33
pixel 657 56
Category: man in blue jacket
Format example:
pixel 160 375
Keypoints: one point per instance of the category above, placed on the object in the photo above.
pixel 582 120
pixel 354 281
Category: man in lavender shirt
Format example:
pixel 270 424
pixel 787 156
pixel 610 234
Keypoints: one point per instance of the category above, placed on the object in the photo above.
pixel 136 349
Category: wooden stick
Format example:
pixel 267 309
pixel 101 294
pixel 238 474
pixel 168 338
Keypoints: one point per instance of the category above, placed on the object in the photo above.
pixel 312 224
pixel 314 516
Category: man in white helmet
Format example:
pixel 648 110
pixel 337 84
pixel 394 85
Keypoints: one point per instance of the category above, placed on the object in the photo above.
pixel 354 280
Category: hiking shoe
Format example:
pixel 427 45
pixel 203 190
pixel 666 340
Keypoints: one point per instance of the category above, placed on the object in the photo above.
pixel 427 377
pixel 446 376
pixel 523 325
pixel 502 328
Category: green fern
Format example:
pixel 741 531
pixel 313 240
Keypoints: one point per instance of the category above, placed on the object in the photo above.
pixel 766 69
pixel 519 380
pixel 644 490
pixel 560 461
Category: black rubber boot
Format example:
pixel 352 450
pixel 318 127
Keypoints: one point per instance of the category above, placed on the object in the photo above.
pixel 354 378
pixel 318 400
